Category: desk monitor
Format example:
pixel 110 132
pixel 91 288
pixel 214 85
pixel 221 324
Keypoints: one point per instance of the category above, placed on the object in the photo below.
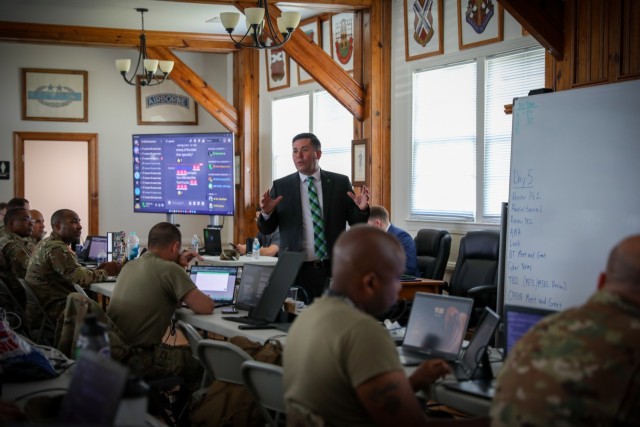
pixel 252 283
pixel 518 320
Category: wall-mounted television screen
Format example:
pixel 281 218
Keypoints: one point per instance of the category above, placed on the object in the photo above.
pixel 189 173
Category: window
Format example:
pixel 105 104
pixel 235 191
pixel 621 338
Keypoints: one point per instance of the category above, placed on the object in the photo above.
pixel 319 113
pixel 461 137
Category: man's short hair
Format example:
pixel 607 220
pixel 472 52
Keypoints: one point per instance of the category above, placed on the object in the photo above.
pixel 308 135
pixel 17 202
pixel 163 234
pixel 59 215
pixel 13 213
pixel 378 212
pixel 3 205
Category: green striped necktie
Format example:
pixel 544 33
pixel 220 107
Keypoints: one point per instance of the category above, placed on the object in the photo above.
pixel 319 241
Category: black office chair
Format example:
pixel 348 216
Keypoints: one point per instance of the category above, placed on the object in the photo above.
pixel 476 271
pixel 432 248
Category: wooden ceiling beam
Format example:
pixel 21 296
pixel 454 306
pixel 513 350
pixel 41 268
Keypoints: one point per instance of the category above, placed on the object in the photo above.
pixel 112 37
pixel 543 19
pixel 315 4
pixel 199 90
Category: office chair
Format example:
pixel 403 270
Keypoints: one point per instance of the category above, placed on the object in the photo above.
pixel 81 291
pixel 194 338
pixel 476 271
pixel 47 325
pixel 222 360
pixel 264 381
pixel 432 248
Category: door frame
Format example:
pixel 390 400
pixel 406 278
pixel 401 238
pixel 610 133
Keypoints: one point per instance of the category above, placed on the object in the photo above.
pixel 90 138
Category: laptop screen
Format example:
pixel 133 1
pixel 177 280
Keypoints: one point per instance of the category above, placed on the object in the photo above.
pixel 481 338
pixel 437 324
pixel 216 281
pixel 518 320
pixel 281 279
pixel 252 283
pixel 98 244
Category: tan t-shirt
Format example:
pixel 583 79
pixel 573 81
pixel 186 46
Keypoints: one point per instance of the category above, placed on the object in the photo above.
pixel 331 349
pixel 145 297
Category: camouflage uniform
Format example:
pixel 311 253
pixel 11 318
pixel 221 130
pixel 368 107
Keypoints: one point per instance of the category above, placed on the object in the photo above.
pixel 14 259
pixel 52 272
pixel 578 367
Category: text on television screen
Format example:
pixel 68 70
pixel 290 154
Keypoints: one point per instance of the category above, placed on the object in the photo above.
pixel 183 173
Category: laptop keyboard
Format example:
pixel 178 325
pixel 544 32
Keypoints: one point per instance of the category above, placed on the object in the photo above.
pixel 245 320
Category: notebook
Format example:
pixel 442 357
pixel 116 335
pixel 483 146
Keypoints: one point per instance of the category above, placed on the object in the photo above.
pixel 473 360
pixel 252 283
pixel 218 282
pixel 436 328
pixel 270 303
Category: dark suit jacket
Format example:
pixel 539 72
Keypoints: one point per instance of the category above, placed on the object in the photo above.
pixel 337 208
pixel 409 249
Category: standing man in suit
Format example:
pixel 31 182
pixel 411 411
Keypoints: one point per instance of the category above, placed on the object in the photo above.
pixel 379 217
pixel 311 207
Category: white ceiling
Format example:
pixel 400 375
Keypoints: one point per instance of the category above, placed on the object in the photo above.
pixel 162 16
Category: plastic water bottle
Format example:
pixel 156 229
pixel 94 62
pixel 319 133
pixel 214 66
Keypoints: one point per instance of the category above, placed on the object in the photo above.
pixel 256 249
pixel 133 245
pixel 102 257
pixel 195 243
pixel 132 409
pixel 93 336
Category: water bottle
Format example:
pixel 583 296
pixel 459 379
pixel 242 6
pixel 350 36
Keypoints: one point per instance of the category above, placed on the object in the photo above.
pixel 256 248
pixel 132 409
pixel 133 245
pixel 102 257
pixel 195 243
pixel 93 336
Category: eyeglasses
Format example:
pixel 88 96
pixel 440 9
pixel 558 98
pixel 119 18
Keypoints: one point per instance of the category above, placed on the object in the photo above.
pixel 26 219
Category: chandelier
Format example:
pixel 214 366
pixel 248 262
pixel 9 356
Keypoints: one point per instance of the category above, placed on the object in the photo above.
pixel 258 19
pixel 150 66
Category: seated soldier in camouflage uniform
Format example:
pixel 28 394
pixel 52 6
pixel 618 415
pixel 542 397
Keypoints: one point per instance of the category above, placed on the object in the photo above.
pixel 16 202
pixel 38 226
pixel 54 268
pixel 147 292
pixel 15 254
pixel 581 366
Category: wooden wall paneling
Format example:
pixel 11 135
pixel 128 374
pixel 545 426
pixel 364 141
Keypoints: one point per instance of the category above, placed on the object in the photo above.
pixel 246 88
pixel 624 56
pixel 590 42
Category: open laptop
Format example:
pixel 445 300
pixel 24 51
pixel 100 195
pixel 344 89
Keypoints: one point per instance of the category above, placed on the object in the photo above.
pixel 93 245
pixel 252 283
pixel 474 358
pixel 282 278
pixel 218 282
pixel 436 328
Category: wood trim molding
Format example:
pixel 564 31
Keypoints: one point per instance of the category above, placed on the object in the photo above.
pixel 91 138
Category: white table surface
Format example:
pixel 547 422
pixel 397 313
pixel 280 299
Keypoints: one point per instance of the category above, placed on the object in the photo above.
pixel 244 259
pixel 208 322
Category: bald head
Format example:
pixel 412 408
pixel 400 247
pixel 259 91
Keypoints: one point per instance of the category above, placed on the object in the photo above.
pixel 366 266
pixel 623 267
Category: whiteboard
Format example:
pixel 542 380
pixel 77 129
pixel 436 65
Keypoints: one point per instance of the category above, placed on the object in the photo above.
pixel 574 191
